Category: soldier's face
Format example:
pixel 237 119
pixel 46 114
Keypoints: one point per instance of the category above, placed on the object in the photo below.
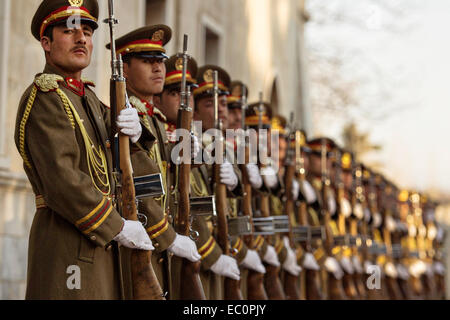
pixel 315 164
pixel 204 112
pixel 145 76
pixel 169 104
pixel 234 118
pixel 348 179
pixel 71 48
pixel 282 149
pixel 305 161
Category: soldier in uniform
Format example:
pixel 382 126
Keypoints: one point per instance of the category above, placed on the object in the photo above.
pixel 275 250
pixel 320 213
pixel 62 136
pixel 247 258
pixel 143 54
pixel 214 263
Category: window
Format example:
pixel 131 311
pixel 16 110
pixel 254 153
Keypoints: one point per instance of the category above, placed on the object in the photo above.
pixel 211 46
pixel 212 42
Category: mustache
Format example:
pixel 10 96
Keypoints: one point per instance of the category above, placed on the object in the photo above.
pixel 80 47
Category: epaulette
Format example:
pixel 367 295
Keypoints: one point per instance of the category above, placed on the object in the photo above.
pixel 88 82
pixel 47 82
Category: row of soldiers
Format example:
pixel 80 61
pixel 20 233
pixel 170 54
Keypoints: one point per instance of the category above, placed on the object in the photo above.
pixel 315 225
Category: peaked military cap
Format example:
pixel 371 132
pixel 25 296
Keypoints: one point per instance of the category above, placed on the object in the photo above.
pixel 53 12
pixel 174 72
pixel 145 42
pixel 234 100
pixel 316 145
pixel 253 115
pixel 279 124
pixel 205 81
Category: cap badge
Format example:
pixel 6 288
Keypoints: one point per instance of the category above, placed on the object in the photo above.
pixel 76 3
pixel 179 64
pixel 237 91
pixel 158 35
pixel 208 75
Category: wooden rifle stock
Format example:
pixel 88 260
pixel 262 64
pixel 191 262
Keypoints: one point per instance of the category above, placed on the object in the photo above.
pixel 191 287
pixel 145 284
pixel 264 286
pixel 232 288
pixel 334 285
pixel 255 280
pixel 290 281
pixel 313 289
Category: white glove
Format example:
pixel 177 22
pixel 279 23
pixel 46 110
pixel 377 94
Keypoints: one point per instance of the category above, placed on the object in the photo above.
pixel 357 264
pixel 402 272
pixel 195 146
pixel 295 189
pixel 347 265
pixel 129 124
pixel 310 262
pixel 254 176
pixel 332 265
pixel 332 205
pixel 438 268
pixel 290 264
pixel 134 236
pixel 226 266
pixel 228 176
pixel 184 247
pixel 269 176
pixel 310 193
pixel 252 261
pixel 271 257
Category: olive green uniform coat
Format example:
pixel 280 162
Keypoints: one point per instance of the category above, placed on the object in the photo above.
pixel 74 222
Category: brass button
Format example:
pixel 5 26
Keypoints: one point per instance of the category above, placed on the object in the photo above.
pixel 109 246
pixel 156 244
pixel 171 254
pixel 161 260
pixel 93 238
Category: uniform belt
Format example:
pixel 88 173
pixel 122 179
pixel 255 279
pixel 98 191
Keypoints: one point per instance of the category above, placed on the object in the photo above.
pixel 40 202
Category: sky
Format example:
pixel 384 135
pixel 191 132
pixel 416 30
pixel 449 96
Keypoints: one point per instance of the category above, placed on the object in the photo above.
pixel 415 66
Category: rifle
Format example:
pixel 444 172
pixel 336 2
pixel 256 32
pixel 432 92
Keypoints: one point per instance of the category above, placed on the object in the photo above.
pixel 255 280
pixel 231 286
pixel 349 282
pixel 311 277
pixel 191 286
pixel 144 281
pixel 335 289
pixel 272 282
pixel 290 282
